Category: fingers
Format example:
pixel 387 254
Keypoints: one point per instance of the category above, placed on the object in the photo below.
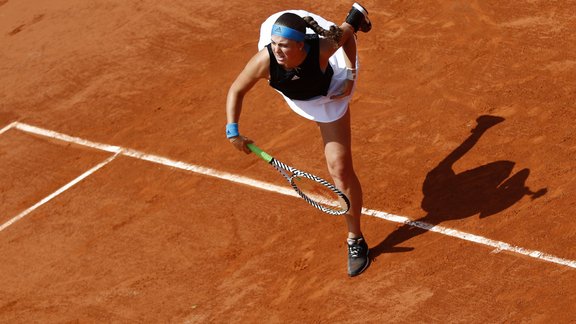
pixel 346 91
pixel 245 148
pixel 341 95
pixel 338 96
pixel 240 143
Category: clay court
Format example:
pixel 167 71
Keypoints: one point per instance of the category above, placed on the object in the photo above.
pixel 121 201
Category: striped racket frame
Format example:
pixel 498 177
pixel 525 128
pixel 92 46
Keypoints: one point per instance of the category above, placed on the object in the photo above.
pixel 293 173
pixel 297 173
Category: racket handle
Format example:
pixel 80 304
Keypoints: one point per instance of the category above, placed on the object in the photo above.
pixel 265 156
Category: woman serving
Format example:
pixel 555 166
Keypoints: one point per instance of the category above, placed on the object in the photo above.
pixel 315 73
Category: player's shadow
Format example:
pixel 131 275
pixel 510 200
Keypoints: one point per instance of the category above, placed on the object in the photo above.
pixel 485 190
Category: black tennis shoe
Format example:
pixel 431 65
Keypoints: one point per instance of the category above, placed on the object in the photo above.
pixel 358 18
pixel 358 259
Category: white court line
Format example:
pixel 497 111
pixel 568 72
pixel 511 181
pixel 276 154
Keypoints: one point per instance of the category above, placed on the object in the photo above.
pixel 156 159
pixel 7 128
pixel 498 245
pixel 56 193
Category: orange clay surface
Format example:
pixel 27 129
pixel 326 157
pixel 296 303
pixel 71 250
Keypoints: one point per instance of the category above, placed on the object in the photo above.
pixel 142 242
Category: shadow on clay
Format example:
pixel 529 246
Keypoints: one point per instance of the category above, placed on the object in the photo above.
pixel 485 190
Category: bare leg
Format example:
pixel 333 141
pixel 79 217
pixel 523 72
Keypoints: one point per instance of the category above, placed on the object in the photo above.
pixel 338 152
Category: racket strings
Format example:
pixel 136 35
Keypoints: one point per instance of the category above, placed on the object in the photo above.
pixel 320 193
pixel 314 190
pixel 283 168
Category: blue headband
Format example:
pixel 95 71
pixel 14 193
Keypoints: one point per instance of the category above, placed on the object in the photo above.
pixel 288 32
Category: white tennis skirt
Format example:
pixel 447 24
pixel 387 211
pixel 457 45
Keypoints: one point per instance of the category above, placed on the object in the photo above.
pixel 322 108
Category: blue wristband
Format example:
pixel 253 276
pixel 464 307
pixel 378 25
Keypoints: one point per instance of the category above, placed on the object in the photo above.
pixel 232 130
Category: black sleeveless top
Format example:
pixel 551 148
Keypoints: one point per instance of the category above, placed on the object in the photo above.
pixel 307 80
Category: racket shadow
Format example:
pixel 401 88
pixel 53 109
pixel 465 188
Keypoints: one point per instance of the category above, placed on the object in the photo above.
pixel 485 190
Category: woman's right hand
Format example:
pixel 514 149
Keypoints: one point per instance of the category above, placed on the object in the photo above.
pixel 240 143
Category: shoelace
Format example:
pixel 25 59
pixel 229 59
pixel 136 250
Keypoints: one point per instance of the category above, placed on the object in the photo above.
pixel 354 250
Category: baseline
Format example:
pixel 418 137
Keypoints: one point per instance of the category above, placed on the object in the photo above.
pixel 498 245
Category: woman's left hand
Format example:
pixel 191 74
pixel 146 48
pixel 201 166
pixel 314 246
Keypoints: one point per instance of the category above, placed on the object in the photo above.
pixel 346 90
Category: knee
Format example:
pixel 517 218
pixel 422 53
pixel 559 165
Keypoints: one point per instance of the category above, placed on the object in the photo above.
pixel 341 170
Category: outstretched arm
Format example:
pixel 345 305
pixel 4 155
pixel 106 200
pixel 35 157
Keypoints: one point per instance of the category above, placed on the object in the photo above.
pixel 257 68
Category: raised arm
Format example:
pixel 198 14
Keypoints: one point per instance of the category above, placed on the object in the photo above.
pixel 348 43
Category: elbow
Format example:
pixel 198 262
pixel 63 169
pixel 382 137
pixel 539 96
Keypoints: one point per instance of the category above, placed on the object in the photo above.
pixel 235 93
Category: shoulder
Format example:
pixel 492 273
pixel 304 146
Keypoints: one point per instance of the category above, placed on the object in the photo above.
pixel 263 57
pixel 259 64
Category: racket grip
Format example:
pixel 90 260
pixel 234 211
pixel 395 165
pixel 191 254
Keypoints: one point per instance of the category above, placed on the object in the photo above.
pixel 263 155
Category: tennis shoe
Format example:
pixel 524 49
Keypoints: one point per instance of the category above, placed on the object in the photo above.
pixel 358 18
pixel 358 259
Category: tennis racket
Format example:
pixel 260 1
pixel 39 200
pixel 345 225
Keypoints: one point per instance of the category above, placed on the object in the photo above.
pixel 313 189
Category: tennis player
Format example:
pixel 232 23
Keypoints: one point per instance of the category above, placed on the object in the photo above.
pixel 313 65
